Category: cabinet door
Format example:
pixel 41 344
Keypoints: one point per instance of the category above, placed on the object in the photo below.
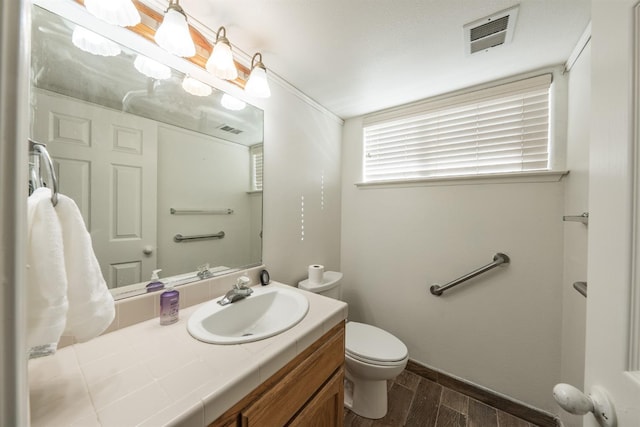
pixel 326 408
pixel 288 396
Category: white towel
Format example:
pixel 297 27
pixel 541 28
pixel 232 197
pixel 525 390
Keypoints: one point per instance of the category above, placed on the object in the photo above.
pixel 46 276
pixel 91 305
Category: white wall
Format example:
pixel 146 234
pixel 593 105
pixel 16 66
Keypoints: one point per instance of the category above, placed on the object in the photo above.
pixel 501 331
pixel 212 174
pixel 576 234
pixel 301 159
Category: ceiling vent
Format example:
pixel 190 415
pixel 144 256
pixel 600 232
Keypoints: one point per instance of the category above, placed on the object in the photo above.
pixel 491 31
pixel 227 128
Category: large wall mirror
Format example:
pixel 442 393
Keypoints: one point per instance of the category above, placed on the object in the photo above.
pixel 165 169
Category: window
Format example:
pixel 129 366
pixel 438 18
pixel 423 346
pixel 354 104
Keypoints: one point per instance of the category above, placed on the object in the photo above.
pixel 255 155
pixel 496 130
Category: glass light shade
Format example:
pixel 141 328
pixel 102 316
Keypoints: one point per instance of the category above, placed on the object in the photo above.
pixel 257 85
pixel 115 12
pixel 196 87
pixel 173 34
pixel 220 63
pixel 151 68
pixel 94 43
pixel 231 103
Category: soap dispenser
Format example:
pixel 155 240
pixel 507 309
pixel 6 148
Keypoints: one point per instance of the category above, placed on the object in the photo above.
pixel 169 306
pixel 155 284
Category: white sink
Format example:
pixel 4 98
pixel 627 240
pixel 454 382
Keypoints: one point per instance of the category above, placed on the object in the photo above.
pixel 268 311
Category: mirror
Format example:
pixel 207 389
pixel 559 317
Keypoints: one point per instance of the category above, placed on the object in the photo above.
pixel 166 172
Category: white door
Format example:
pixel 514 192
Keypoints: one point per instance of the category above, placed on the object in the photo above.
pixel 106 162
pixel 613 304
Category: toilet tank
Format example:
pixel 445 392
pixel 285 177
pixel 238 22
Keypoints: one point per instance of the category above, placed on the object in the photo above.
pixel 330 286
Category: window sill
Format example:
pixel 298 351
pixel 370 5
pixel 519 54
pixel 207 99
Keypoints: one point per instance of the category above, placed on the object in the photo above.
pixel 498 178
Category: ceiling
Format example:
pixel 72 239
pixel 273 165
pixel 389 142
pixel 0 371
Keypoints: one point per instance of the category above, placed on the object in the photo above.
pixel 359 56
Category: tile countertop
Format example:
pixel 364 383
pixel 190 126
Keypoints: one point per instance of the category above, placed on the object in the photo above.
pixel 152 375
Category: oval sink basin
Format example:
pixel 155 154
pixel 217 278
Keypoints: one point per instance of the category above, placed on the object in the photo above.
pixel 268 311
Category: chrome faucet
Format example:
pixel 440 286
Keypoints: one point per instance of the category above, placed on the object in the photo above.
pixel 204 272
pixel 239 291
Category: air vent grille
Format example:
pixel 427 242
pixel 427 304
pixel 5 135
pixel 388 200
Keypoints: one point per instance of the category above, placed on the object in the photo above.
pixel 230 129
pixel 488 42
pixel 489 28
pixel 490 31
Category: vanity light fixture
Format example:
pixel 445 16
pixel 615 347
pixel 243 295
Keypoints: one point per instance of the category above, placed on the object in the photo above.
pixel 232 103
pixel 196 87
pixel 220 63
pixel 173 34
pixel 257 85
pixel 93 43
pixel 115 12
pixel 151 68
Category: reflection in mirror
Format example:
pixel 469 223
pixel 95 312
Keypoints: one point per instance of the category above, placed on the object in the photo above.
pixel 148 154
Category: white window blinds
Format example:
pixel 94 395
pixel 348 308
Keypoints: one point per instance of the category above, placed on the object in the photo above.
pixel 496 130
pixel 256 167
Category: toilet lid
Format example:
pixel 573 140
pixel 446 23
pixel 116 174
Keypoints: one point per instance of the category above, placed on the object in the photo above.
pixel 370 343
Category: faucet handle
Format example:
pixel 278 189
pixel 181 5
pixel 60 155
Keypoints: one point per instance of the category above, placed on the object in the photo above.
pixel 242 282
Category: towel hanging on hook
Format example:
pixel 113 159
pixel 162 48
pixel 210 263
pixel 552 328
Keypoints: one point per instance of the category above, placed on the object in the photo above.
pixel 35 177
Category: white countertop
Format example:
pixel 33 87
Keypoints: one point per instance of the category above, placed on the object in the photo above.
pixel 152 375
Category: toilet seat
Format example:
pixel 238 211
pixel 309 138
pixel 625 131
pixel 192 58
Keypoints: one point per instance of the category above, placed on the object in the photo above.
pixel 373 345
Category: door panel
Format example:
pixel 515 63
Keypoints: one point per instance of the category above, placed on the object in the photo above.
pixel 87 142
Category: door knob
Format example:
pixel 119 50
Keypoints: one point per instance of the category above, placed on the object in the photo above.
pixel 147 250
pixel 576 402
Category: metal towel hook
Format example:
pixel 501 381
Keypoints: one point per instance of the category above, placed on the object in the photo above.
pixel 41 149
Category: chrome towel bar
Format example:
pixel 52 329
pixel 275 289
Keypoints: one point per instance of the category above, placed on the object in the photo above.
pixel 174 211
pixel 498 259
pixel 180 238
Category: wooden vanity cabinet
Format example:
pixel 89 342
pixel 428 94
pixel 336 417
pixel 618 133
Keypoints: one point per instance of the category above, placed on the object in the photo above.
pixel 307 392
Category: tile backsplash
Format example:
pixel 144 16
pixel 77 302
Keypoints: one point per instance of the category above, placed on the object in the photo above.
pixel 139 308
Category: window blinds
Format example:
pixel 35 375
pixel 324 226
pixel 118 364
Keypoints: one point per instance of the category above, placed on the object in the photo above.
pixel 496 130
pixel 256 167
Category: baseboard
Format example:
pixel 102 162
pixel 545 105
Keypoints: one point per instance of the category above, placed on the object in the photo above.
pixel 483 395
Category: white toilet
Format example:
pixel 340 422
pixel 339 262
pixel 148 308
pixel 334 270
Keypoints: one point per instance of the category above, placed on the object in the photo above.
pixel 372 356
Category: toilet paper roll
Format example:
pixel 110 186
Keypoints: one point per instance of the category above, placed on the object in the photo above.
pixel 316 274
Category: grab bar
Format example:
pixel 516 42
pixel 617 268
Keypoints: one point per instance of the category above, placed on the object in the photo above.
pixel 180 238
pixel 498 259
pixel 41 149
pixel 200 212
pixel 581 287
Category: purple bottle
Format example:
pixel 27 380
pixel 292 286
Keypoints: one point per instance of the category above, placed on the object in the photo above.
pixel 169 306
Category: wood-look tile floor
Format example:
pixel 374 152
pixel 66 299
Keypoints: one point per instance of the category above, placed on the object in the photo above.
pixel 417 402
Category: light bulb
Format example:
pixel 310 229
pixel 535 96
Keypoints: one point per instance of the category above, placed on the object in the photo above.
pixel 257 84
pixel 173 34
pixel 93 43
pixel 231 103
pixel 151 68
pixel 196 87
pixel 220 63
pixel 115 12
